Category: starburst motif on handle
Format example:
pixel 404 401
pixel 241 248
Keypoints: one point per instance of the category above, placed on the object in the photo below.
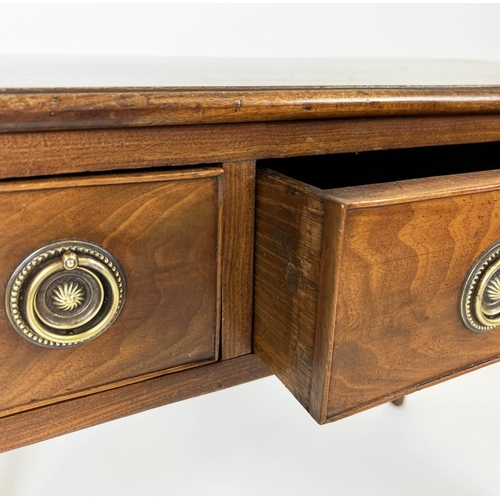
pixel 67 296
pixel 493 289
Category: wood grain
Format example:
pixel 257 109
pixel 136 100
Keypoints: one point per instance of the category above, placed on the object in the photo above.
pixel 438 187
pixel 64 110
pixel 109 180
pixel 44 423
pixel 417 387
pixel 165 234
pixel 237 259
pixel 378 310
pixel 334 233
pixel 356 289
pixel 51 153
pixel 397 316
pixel 288 239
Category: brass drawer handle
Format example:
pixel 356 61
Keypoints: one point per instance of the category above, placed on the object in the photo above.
pixel 480 295
pixel 65 293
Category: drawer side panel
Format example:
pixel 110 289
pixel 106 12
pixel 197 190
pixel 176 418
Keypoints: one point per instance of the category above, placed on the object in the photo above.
pixel 289 230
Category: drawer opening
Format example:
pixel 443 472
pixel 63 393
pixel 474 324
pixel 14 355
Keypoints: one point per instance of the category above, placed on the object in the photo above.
pixel 373 167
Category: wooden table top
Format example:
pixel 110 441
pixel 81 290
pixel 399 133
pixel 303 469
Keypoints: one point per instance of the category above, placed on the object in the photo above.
pixel 63 92
pixel 48 72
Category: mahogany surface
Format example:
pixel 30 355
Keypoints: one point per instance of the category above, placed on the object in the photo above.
pixel 122 133
pixel 57 92
pixel 357 289
pixel 170 316
pixel 79 151
pixel 68 416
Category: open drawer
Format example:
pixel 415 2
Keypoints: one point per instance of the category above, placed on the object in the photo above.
pixel 362 292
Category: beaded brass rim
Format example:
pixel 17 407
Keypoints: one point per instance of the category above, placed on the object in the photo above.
pixel 480 295
pixel 65 293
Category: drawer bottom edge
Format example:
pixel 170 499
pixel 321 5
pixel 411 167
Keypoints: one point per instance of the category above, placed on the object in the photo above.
pixel 32 426
pixel 332 417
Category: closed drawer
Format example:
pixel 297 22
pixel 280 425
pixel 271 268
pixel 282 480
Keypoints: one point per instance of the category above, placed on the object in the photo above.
pixel 358 289
pixel 163 229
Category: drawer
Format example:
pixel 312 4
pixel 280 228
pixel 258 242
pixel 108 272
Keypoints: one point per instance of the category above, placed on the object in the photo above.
pixel 163 229
pixel 358 289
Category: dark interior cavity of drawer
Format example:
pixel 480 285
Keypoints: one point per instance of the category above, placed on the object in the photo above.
pixel 370 167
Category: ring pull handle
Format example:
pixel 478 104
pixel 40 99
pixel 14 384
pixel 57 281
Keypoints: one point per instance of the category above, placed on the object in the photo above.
pixel 65 293
pixel 480 295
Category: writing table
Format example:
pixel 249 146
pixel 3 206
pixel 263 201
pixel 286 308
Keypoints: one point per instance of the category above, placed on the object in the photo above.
pixel 175 227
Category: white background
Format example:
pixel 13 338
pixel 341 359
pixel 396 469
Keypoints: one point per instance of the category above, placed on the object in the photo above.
pixel 255 438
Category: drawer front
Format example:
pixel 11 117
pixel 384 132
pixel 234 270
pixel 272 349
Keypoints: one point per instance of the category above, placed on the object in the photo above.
pixel 163 229
pixel 358 289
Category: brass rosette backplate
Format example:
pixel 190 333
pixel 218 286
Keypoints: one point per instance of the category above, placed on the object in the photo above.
pixel 480 295
pixel 65 293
